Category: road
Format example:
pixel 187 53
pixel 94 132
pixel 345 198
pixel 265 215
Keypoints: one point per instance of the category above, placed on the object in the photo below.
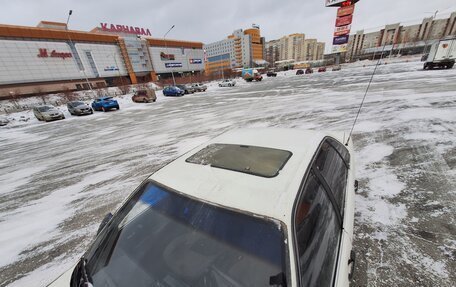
pixel 59 179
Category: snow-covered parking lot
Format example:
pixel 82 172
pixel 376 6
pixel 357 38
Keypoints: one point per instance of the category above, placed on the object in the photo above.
pixel 59 179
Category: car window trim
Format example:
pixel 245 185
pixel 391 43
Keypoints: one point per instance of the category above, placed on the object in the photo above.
pixel 293 214
pixel 347 164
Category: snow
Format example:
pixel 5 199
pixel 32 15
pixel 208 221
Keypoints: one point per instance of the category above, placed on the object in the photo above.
pixel 59 179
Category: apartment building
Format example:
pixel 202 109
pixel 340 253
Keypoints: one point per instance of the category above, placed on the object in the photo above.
pixel 294 47
pixel 243 48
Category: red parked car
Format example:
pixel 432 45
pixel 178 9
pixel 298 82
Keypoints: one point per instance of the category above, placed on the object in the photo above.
pixel 322 69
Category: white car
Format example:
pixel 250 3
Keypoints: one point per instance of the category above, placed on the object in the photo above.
pixel 227 83
pixel 252 207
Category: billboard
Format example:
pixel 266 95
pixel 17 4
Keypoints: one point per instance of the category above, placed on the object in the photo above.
pixel 339 40
pixel 196 61
pixel 342 30
pixel 343 21
pixel 339 3
pixel 340 48
pixel 173 65
pixel 167 57
pixel 344 11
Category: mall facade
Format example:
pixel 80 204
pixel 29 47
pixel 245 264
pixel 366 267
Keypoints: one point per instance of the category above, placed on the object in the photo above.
pixel 50 58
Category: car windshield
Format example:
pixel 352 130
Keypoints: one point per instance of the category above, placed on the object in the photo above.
pixel 75 104
pixel 45 108
pixel 107 99
pixel 141 93
pixel 161 238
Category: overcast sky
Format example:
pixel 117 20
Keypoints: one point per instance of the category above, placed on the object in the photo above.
pixel 211 20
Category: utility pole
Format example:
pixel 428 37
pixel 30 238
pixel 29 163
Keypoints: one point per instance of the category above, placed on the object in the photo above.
pixel 166 47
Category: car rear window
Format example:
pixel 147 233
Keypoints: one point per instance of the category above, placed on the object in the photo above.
pixel 255 160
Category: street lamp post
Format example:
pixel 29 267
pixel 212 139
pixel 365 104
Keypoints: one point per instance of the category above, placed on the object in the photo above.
pixel 72 45
pixel 166 47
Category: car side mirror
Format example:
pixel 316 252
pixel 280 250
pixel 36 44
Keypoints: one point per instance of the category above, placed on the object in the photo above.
pixel 105 221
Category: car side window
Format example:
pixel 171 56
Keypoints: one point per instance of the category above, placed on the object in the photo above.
pixel 334 169
pixel 317 232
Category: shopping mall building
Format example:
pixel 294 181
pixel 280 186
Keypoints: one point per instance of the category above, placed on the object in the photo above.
pixel 51 58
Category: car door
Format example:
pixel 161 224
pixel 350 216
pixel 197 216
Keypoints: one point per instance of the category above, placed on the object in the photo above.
pixel 318 216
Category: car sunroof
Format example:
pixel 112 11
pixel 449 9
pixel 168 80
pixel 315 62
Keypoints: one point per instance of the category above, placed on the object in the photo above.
pixel 261 161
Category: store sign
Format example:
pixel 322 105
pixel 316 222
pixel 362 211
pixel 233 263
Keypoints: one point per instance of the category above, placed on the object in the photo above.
pixel 196 61
pixel 167 57
pixel 124 29
pixel 334 2
pixel 111 68
pixel 43 53
pixel 340 40
pixel 344 11
pixel 173 65
pixel 340 48
pixel 342 30
pixel 343 21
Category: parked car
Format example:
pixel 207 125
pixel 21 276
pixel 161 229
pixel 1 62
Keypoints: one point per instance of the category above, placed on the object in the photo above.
pixel 199 87
pixel 271 74
pixel 336 68
pixel 3 121
pixel 47 113
pixel 299 72
pixel 309 71
pixel 77 108
pixel 249 208
pixel 186 88
pixel 322 69
pixel 105 104
pixel 144 96
pixel 227 83
pixel 173 91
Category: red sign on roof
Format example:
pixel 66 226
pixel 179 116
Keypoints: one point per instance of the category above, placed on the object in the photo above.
pixel 125 29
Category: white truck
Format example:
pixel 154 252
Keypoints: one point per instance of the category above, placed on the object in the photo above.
pixel 442 54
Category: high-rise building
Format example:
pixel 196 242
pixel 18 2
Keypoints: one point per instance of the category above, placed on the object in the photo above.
pixel 294 47
pixel 397 38
pixel 243 48
pixel 272 53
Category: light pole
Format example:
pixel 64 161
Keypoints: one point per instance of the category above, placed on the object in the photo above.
pixel 72 45
pixel 166 47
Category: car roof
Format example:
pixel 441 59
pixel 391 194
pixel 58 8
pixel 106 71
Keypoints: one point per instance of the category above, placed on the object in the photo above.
pixel 265 196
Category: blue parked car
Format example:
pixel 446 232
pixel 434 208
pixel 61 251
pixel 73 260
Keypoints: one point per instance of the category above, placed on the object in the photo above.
pixel 173 91
pixel 105 104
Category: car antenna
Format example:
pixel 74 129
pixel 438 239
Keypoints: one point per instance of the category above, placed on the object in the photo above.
pixel 365 94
